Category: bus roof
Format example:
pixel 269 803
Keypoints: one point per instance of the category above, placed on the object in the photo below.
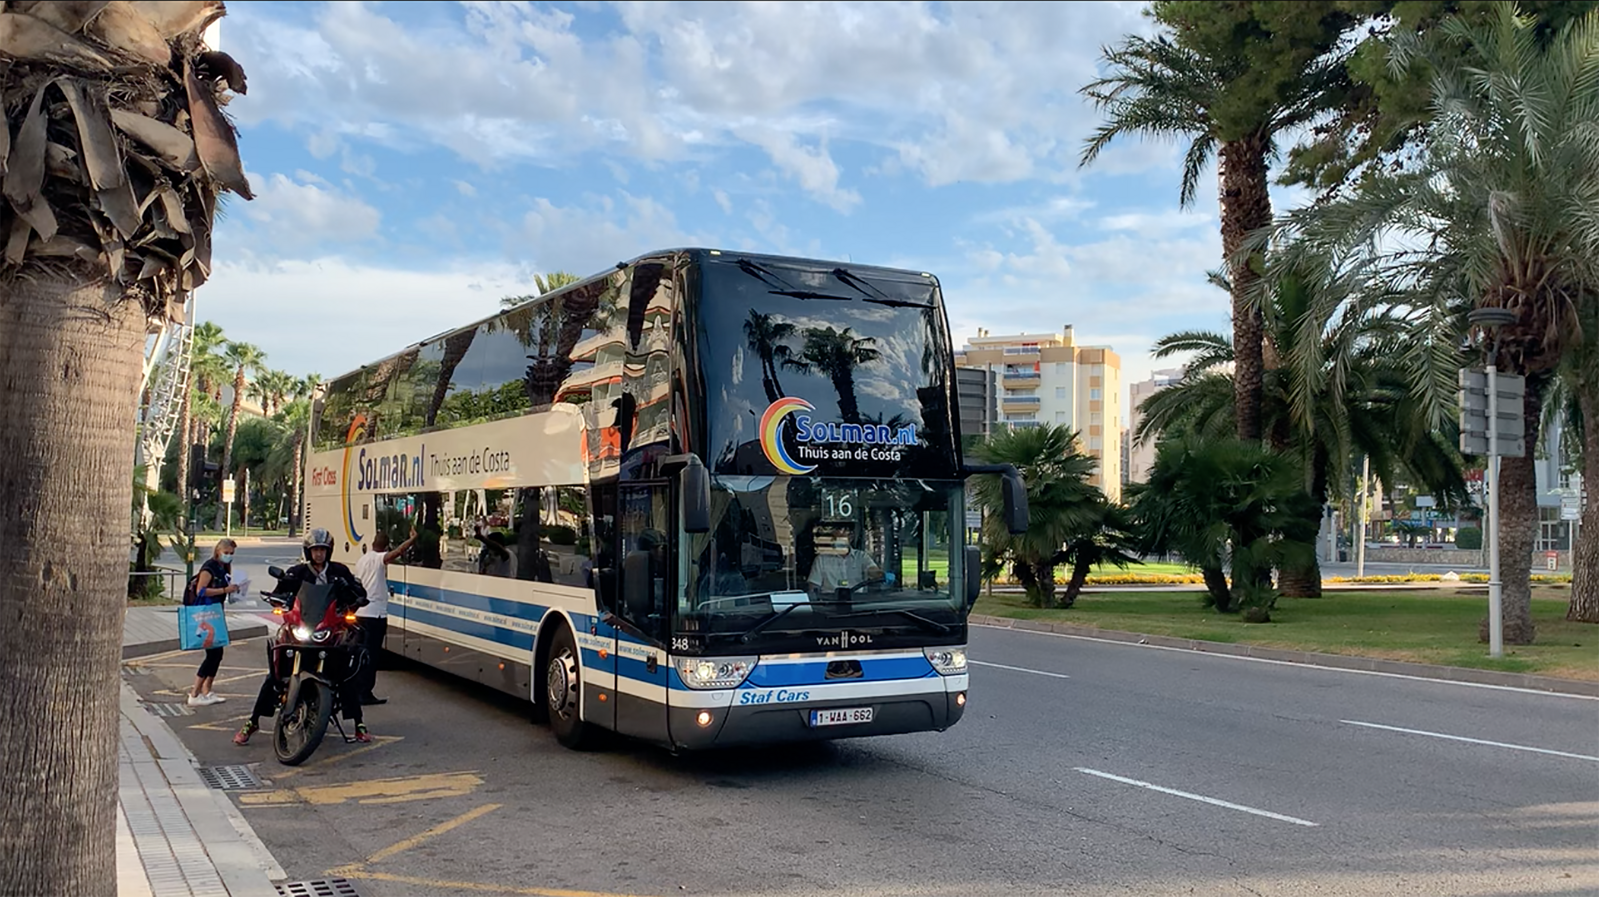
pixel 692 251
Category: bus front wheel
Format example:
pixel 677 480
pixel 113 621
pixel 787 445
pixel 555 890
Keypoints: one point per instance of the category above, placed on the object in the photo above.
pixel 563 693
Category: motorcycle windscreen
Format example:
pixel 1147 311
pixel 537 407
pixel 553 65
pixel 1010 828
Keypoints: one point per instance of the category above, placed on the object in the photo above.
pixel 313 601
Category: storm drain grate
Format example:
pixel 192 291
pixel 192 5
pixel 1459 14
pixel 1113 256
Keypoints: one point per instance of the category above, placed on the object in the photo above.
pixel 318 887
pixel 231 778
pixel 169 709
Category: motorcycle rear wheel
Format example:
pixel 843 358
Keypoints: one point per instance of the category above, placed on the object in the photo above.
pixel 300 728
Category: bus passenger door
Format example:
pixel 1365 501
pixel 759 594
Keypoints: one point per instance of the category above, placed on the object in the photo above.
pixel 645 573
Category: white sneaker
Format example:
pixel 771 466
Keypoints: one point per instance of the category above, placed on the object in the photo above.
pixel 214 698
pixel 198 701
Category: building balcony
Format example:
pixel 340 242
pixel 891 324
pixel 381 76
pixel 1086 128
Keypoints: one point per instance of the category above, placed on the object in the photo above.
pixel 1020 403
pixel 1020 354
pixel 1020 379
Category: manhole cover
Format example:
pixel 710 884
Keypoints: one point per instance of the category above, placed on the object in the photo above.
pixel 235 778
pixel 163 709
pixel 318 887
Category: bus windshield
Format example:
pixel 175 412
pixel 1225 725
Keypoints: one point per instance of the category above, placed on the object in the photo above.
pixel 794 554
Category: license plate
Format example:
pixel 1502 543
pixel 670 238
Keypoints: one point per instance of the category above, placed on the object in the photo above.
pixel 843 717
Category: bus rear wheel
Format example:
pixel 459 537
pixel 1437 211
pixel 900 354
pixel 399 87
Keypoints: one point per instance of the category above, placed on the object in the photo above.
pixel 563 693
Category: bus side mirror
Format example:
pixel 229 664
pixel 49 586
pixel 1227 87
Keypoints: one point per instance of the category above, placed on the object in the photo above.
pixel 974 574
pixel 1014 492
pixel 695 483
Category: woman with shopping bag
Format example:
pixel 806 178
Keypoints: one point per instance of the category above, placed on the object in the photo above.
pixel 201 621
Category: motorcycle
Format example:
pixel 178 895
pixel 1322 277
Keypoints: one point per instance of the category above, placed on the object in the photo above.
pixel 314 652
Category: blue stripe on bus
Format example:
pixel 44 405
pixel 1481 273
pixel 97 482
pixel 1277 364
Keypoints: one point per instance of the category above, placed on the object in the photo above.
pixel 783 675
pixel 485 631
pixel 521 610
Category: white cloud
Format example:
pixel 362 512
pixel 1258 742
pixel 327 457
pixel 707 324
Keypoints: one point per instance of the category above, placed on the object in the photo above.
pixel 956 92
pixel 590 238
pixel 722 200
pixel 464 188
pixel 306 211
pixel 329 315
pixel 1159 222
pixel 811 166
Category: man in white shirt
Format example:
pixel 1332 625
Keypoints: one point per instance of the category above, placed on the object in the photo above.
pixel 372 569
pixel 838 563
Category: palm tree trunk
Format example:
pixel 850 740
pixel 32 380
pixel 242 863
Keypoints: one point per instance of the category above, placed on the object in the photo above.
pixel 1303 580
pixel 1044 575
pixel 70 356
pixel 1245 207
pixel 183 452
pixel 1585 559
pixel 1074 586
pixel 1024 573
pixel 227 444
pixel 1216 582
pixel 1518 525
pixel 294 489
pixel 849 409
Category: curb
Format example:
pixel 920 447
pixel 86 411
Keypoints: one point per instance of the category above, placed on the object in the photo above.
pixel 1335 661
pixel 235 634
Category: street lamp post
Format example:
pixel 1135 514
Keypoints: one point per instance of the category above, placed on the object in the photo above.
pixel 1491 320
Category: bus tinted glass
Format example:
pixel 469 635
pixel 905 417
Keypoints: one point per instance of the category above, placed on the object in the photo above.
pixel 824 370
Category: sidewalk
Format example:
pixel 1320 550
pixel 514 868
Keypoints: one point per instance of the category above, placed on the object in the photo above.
pixel 177 837
pixel 163 807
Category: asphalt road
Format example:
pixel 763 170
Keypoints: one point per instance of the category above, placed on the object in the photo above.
pixel 1049 786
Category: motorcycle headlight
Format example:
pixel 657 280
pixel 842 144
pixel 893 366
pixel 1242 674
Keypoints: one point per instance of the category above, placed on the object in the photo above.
pixel 302 632
pixel 948 661
pixel 321 635
pixel 714 672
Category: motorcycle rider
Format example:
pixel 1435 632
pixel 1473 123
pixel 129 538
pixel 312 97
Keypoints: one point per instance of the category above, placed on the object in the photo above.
pixel 318 569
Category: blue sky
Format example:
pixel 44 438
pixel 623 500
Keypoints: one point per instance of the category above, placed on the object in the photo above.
pixel 414 162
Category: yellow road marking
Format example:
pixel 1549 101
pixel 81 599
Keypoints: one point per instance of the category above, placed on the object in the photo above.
pixel 226 724
pixel 371 791
pixel 378 741
pixel 434 832
pixel 441 887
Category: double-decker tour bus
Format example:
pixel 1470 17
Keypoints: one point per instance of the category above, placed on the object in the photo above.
pixel 705 498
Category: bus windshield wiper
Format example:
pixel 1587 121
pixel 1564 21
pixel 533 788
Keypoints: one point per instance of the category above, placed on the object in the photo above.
pixel 807 294
pixel 750 633
pixel 881 298
pixel 918 619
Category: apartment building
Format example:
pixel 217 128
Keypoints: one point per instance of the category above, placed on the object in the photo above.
pixel 1140 458
pixel 1048 378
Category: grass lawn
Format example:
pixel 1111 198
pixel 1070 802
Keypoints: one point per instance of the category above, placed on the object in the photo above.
pixel 1149 568
pixel 1432 626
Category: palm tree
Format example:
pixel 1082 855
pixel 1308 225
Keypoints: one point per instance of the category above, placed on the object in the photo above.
pixel 204 367
pixel 1209 93
pixel 1222 503
pixel 837 353
pixel 1108 537
pixel 1501 203
pixel 244 359
pixel 542 283
pixel 288 456
pixel 767 340
pixel 1353 399
pixel 1061 504
pixel 107 231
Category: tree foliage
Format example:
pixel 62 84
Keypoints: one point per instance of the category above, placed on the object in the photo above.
pixel 1061 504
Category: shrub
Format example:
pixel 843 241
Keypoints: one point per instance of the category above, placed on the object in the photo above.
pixel 560 535
pixel 1468 538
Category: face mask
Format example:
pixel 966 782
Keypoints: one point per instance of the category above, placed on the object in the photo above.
pixel 227 558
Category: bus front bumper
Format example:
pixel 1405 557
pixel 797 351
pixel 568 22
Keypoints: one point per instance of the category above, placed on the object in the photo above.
pixel 732 726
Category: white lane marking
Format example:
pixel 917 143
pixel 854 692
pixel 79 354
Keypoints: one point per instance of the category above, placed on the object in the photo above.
pixel 1001 666
pixel 1514 747
pixel 1199 797
pixel 1303 666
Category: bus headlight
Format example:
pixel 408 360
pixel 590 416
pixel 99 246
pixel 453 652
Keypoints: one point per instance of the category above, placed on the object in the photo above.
pixel 948 661
pixel 714 672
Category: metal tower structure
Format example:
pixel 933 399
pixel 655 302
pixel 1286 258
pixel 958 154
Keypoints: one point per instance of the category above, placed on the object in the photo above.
pixel 166 377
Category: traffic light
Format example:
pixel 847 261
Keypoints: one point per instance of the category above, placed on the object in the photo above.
pixel 201 471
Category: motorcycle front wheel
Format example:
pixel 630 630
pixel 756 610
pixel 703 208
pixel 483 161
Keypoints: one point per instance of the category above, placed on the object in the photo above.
pixel 300 727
